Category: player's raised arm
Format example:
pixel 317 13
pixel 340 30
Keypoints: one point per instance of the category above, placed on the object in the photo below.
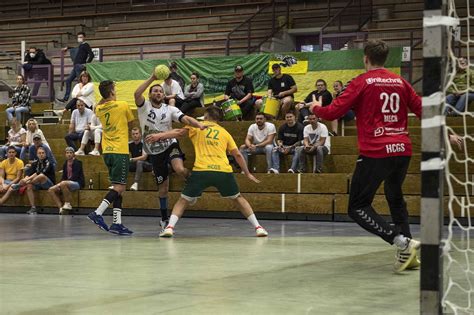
pixel 174 133
pixel 139 99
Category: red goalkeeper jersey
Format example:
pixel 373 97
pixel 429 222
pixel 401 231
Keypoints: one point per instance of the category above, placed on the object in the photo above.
pixel 381 101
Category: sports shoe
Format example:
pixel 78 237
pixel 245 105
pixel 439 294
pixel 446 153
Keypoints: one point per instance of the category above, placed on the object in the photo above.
pixel 62 211
pixel 273 171
pixel 67 206
pixel 15 187
pixel 80 152
pixel 291 171
pixel 164 224
pixel 32 211
pixel 94 152
pixel 415 263
pixel 167 232
pixel 99 220
pixel 119 229
pixel 404 257
pixel 134 187
pixel 260 231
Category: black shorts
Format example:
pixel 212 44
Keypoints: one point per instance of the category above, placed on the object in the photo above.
pixel 161 162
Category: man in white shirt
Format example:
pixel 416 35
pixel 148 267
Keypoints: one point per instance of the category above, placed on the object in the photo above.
pixel 92 132
pixel 260 139
pixel 80 119
pixel 316 142
pixel 174 95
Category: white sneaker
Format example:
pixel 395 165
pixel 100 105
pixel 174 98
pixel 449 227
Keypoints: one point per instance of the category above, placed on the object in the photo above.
pixel 260 231
pixel 80 152
pixel 134 187
pixel 167 232
pixel 291 171
pixel 94 152
pixel 404 257
pixel 274 171
pixel 62 211
pixel 67 206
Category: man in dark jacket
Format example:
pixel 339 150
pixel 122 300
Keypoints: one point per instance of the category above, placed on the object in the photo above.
pixel 36 56
pixel 72 180
pixel 81 55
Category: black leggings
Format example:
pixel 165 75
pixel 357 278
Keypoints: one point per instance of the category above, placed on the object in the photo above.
pixel 368 175
pixel 188 105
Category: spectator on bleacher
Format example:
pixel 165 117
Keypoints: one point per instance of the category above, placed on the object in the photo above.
pixel 174 95
pixel 175 76
pixel 31 129
pixel 83 90
pixel 37 144
pixel 11 171
pixel 339 88
pixel 83 55
pixel 92 132
pixel 321 91
pixel 240 88
pixel 21 99
pixel 260 140
pixel 316 141
pixel 459 93
pixel 290 136
pixel 72 179
pixel 281 86
pixel 40 177
pixel 80 119
pixel 16 138
pixel 33 57
pixel 140 161
pixel 193 95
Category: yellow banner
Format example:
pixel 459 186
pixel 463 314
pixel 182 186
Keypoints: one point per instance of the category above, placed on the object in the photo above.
pixel 298 68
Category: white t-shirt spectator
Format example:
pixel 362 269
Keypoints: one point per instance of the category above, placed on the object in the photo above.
pixel 174 88
pixel 260 135
pixel 30 134
pixel 14 137
pixel 314 135
pixel 81 121
pixel 87 93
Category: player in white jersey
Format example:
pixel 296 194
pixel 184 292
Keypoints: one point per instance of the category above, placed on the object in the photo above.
pixel 155 117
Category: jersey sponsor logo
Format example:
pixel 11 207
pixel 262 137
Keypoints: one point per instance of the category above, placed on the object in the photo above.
pixel 395 147
pixel 213 167
pixel 384 80
pixel 379 131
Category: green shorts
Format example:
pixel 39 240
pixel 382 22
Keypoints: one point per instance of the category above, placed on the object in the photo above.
pixel 200 180
pixel 118 167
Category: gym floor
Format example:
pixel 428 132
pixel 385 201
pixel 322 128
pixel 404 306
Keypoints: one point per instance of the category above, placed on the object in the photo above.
pixel 52 264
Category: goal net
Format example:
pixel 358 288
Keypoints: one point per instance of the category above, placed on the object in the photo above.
pixel 458 90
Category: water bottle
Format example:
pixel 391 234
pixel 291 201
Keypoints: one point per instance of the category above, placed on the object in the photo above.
pixel 91 184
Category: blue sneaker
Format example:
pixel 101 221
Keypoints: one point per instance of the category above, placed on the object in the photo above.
pixel 119 229
pixel 99 220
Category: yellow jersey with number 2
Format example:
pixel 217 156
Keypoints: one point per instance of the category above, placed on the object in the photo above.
pixel 114 117
pixel 211 146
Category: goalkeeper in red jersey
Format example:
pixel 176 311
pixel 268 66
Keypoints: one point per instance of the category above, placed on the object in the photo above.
pixel 381 101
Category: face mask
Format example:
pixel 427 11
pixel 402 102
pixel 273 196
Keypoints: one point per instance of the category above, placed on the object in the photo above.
pixel 80 39
pixel 32 55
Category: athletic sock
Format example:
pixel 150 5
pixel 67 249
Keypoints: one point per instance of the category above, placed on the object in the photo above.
pixel 109 198
pixel 253 219
pixel 164 208
pixel 117 216
pixel 401 241
pixel 173 220
pixel 117 219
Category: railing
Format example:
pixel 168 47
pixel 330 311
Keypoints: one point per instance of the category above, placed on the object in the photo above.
pixel 36 76
pixel 248 24
pixel 364 14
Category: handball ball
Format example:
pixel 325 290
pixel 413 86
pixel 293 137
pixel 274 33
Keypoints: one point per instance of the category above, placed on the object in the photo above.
pixel 162 72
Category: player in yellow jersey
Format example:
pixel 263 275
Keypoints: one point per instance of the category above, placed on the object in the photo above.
pixel 115 117
pixel 211 168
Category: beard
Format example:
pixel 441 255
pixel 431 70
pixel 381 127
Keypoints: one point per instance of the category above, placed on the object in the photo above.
pixel 156 100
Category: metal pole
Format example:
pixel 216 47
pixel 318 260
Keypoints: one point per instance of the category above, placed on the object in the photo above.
pixel 288 14
pixel 273 16
pixel 432 159
pixel 62 70
pixel 410 72
pixel 227 46
pixel 62 8
pixel 29 5
pixel 183 51
pixel 141 52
